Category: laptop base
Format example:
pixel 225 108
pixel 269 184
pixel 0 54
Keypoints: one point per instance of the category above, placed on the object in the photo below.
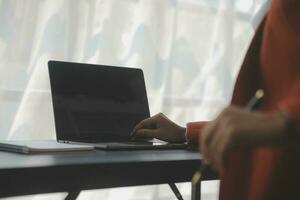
pixel 117 146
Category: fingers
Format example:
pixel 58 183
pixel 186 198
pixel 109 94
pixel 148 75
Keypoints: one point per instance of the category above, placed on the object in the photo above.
pixel 147 133
pixel 206 137
pixel 160 127
pixel 219 146
pixel 145 124
pixel 216 138
pixel 149 123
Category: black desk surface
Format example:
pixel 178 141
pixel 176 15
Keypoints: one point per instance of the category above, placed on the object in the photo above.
pixel 63 172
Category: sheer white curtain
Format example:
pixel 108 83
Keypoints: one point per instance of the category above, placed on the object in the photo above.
pixel 190 51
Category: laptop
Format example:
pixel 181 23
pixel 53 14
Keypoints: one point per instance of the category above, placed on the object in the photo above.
pixel 100 105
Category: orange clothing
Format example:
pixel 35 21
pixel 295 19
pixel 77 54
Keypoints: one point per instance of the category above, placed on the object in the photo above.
pixel 273 64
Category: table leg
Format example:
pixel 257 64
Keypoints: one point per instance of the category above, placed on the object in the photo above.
pixel 175 191
pixel 72 195
pixel 196 191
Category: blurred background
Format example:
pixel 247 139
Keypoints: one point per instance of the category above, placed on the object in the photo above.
pixel 190 51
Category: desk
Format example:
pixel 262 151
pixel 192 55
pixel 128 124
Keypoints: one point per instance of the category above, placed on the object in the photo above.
pixel 76 171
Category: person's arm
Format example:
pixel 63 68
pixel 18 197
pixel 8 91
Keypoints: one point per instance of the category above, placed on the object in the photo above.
pixel 160 127
pixel 193 130
pixel 237 128
pixel 246 84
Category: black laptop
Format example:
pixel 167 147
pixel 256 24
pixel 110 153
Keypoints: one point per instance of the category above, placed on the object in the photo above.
pixel 100 104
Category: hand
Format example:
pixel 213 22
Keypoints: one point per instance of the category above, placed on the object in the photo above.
pixel 160 127
pixel 238 128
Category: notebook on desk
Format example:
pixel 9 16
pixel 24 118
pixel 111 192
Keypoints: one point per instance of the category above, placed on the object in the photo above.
pixel 40 146
pixel 100 105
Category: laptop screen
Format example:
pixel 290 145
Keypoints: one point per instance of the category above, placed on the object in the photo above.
pixel 96 103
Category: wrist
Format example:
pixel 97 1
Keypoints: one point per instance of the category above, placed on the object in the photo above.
pixel 281 121
pixel 291 132
pixel 183 134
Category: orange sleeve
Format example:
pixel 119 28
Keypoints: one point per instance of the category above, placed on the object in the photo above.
pixel 193 131
pixel 248 80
